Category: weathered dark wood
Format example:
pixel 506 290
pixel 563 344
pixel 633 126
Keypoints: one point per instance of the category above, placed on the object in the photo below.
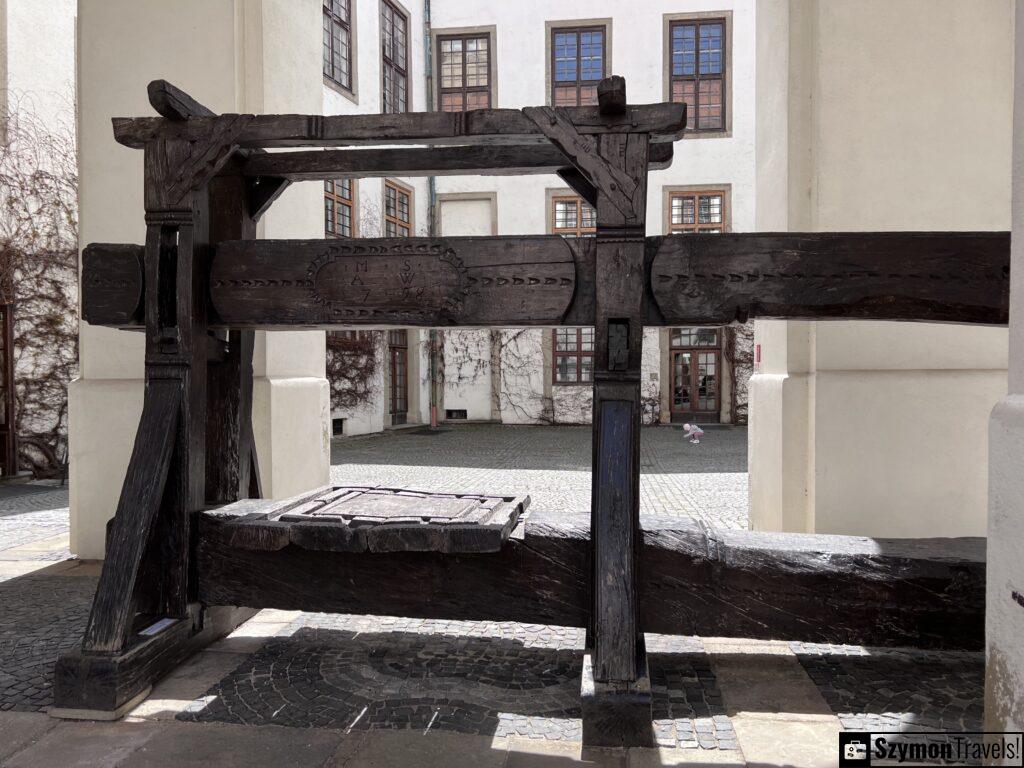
pixel 229 439
pixel 399 281
pixel 927 593
pixel 112 284
pixel 580 184
pixel 113 608
pixel 314 165
pixel 616 634
pixel 664 122
pixel 263 191
pixel 374 519
pixel 611 95
pixel 106 682
pixel 956 277
pixel 173 103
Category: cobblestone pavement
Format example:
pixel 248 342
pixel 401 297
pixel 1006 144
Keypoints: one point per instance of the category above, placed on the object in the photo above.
pixel 30 513
pixel 42 615
pixel 552 464
pixel 500 679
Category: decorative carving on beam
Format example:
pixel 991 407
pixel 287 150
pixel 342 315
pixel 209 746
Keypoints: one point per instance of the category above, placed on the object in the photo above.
pixel 398 281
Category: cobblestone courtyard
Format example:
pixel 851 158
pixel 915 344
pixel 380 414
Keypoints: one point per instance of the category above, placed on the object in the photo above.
pixel 552 464
pixel 349 688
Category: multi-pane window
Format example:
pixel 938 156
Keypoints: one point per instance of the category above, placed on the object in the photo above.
pixel 697 212
pixel 397 210
pixel 698 71
pixel 465 72
pixel 572 217
pixel 577 65
pixel 394 33
pixel 574 355
pixel 338 206
pixel 694 337
pixel 338 42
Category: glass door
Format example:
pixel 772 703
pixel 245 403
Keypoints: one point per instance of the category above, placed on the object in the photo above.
pixel 398 351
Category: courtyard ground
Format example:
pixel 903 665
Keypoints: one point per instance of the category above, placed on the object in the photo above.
pixel 290 688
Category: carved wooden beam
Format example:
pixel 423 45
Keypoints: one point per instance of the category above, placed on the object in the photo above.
pixel 927 593
pixel 713 279
pixel 399 281
pixel 665 122
pixel 955 277
pixel 513 160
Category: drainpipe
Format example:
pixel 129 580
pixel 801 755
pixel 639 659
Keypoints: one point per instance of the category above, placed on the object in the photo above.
pixel 428 70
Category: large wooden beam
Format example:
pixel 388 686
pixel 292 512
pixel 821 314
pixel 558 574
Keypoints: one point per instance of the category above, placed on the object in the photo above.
pixel 715 279
pixel 665 122
pixel 400 281
pixel 511 160
pixel 926 593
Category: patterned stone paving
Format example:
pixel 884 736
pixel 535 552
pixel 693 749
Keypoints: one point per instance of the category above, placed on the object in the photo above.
pixel 33 513
pixel 502 679
pixel 552 464
pixel 41 616
pixel 892 689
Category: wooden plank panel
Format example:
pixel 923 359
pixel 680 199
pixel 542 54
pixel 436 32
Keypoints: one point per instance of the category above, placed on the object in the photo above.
pixel 927 593
pixel 400 281
pixel 714 279
pixel 664 121
pixel 312 165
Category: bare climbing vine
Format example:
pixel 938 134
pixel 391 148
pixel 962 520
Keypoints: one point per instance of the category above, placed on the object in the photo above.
pixel 39 276
pixel 353 361
pixel 739 351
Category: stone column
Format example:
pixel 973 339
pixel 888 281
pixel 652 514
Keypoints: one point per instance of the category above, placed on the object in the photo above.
pixel 1004 601
pixel 233 56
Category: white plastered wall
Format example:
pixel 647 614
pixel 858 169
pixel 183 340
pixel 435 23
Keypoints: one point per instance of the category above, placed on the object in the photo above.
pixel 636 51
pixel 866 427
pixel 1004 604
pixel 365 98
pixel 233 56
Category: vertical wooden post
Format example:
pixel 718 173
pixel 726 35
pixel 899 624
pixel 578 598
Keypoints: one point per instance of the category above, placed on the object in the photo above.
pixel 230 452
pixel 616 695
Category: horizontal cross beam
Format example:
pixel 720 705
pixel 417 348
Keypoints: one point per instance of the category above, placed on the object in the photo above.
pixel 712 279
pixel 501 160
pixel 665 122
pixel 831 589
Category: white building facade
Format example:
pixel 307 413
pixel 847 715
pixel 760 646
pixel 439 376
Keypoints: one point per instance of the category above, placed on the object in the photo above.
pixel 515 55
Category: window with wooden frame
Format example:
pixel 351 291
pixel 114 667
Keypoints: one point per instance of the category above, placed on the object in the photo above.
pixel 571 216
pixel 573 355
pixel 397 210
pixel 339 207
pixel 338 42
pixel 394 46
pixel 577 64
pixel 702 211
pixel 697 71
pixel 464 72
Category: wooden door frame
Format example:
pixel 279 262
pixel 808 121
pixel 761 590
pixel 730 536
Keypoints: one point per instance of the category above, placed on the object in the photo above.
pixel 675 415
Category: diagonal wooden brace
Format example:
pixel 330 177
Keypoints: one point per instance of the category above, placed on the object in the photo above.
pixel 581 150
pixel 114 607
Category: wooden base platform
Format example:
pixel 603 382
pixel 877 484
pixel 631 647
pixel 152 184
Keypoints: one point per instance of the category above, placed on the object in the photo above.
pixel 103 686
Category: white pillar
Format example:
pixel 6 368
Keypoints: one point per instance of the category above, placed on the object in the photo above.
pixel 1004 601
pixel 233 56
